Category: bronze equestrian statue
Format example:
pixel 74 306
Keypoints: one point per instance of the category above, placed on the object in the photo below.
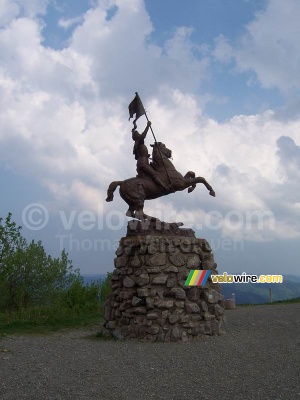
pixel 153 180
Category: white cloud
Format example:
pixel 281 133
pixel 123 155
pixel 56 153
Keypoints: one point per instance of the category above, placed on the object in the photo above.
pixel 223 51
pixel 127 59
pixel 10 9
pixel 68 23
pixel 239 158
pixel 270 47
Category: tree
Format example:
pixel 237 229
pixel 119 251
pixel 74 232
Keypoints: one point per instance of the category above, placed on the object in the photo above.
pixel 12 245
pixel 28 276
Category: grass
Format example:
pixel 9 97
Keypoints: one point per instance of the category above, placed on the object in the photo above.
pixel 46 320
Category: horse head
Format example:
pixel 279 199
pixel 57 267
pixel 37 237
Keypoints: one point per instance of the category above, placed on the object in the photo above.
pixel 160 151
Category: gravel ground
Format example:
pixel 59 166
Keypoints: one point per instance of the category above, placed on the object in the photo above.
pixel 257 358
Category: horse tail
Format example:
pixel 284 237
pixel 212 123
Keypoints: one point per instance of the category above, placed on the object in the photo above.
pixel 111 188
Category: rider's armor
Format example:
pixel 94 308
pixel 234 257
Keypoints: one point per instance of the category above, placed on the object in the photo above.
pixel 140 152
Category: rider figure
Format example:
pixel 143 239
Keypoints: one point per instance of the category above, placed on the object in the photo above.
pixel 141 155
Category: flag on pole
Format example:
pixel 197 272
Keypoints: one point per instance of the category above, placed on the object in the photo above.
pixel 136 107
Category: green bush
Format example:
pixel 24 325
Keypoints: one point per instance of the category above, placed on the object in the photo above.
pixel 105 287
pixel 36 287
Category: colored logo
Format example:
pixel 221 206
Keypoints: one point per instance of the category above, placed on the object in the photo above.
pixel 197 277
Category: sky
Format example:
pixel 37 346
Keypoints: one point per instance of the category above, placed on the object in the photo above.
pixel 220 82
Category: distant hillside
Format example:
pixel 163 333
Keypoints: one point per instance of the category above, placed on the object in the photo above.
pixel 247 293
pixel 255 293
pixel 89 278
pixel 292 278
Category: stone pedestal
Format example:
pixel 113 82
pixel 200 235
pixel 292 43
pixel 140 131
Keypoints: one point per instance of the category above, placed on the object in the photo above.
pixel 149 298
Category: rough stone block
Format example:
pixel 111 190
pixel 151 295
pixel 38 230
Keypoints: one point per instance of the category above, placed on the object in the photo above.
pixel 208 264
pixel 173 318
pixel 157 260
pixel 143 292
pixel 153 330
pixel 139 310
pixel 166 304
pixel 208 317
pixel 205 246
pixel 171 268
pixel 211 296
pixel 137 301
pixel 119 251
pixel 128 282
pixel 218 310
pixel 149 303
pixel 192 308
pixel 143 249
pixel 143 280
pixel 153 270
pixel 192 294
pixel 153 248
pixel 126 294
pixel 124 305
pixel 175 333
pixel 121 261
pixel 152 315
pixel 171 282
pixel 178 293
pixel 107 312
pixel 135 262
pixel 193 262
pixel 204 306
pixel 215 327
pixel 178 259
pixel 159 280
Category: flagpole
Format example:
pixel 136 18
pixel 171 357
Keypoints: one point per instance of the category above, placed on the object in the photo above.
pixel 155 140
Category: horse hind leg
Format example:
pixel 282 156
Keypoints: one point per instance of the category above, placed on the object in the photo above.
pixel 111 188
pixel 130 211
pixel 139 213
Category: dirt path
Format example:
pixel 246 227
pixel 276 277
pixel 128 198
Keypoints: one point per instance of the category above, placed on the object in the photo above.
pixel 258 358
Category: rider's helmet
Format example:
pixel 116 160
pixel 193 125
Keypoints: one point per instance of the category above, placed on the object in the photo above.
pixel 135 135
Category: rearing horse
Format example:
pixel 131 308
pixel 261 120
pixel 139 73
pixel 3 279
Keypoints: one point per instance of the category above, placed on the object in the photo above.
pixel 135 191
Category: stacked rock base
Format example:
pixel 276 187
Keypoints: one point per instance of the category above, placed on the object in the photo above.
pixel 149 298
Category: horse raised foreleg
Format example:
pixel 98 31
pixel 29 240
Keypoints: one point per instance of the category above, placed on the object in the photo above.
pixel 190 174
pixel 199 179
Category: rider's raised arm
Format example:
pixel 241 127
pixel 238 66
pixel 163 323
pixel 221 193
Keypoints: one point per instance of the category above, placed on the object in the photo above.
pixel 146 130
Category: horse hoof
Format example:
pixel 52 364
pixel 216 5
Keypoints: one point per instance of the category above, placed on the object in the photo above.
pixel 139 215
pixel 109 198
pixel 212 193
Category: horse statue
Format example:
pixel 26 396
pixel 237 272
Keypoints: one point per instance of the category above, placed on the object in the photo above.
pixel 134 191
